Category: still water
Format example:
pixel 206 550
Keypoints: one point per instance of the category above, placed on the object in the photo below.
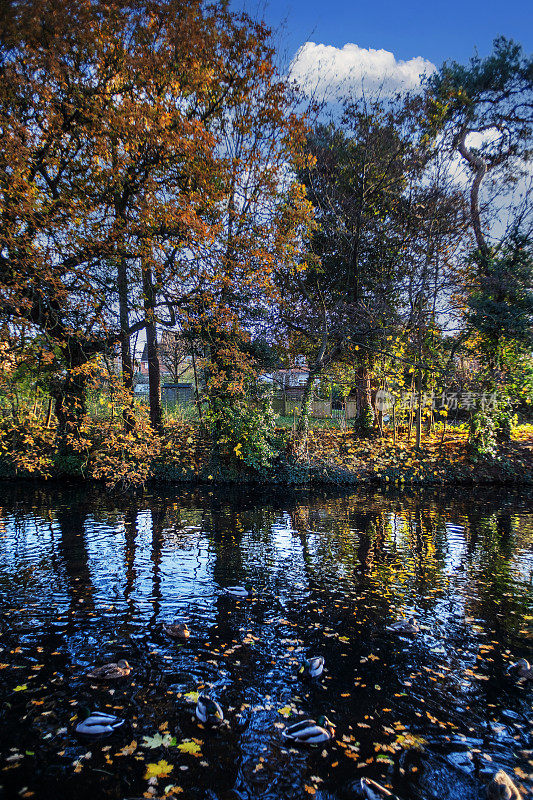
pixel 87 579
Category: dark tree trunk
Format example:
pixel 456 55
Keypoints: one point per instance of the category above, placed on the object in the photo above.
pixel 154 378
pixel 123 306
pixel 125 342
pixel 70 403
pixel 69 394
pixel 154 374
pixel 363 396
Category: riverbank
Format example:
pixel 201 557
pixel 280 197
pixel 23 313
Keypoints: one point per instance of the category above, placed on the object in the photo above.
pixel 443 459
pixel 337 457
pixel 186 454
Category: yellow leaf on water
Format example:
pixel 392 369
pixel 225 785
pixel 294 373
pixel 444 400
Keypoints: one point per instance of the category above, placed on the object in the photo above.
pixel 191 746
pixel 159 770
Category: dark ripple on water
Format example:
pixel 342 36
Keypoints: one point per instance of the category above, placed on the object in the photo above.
pixel 86 579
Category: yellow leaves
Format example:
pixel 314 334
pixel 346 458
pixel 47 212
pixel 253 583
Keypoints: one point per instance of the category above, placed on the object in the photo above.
pixel 192 697
pixel 21 688
pixel 410 741
pixel 159 770
pixel 190 746
pixel 286 711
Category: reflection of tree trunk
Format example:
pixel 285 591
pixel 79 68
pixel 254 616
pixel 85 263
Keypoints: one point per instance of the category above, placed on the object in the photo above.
pixel 158 521
pixel 130 533
pixel 504 527
pixel 300 518
pixel 474 520
pixel 420 547
pixel 363 552
pixel 301 527
pixel 367 526
pixel 75 557
pixel 226 528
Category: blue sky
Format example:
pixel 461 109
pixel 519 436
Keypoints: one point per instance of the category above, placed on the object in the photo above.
pixel 434 30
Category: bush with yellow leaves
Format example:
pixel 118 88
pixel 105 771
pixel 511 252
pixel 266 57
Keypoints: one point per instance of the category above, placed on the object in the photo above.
pixel 26 446
pixel 123 459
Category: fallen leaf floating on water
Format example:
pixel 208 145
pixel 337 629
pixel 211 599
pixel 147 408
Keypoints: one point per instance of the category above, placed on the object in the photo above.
pixel 159 770
pixel 286 711
pixel 191 746
pixel 158 741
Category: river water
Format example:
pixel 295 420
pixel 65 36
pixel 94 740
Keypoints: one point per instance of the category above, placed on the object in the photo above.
pixel 86 579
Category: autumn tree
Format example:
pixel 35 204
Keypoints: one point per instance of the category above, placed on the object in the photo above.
pixel 110 168
pixel 261 217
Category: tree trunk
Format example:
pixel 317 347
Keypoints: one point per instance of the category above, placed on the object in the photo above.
pixel 123 306
pixel 70 402
pixel 154 374
pixel 479 165
pixel 302 428
pixel 363 396
pixel 196 390
pixel 70 393
pixel 125 343
pixel 419 412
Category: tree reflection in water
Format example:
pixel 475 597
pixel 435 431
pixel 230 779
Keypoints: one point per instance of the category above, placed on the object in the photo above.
pixel 85 578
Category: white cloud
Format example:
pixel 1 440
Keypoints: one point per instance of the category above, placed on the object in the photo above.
pixel 329 72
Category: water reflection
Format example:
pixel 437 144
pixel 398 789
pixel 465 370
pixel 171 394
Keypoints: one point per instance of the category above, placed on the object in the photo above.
pixel 86 579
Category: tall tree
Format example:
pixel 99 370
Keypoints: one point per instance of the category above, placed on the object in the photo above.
pixel 109 170
pixel 260 218
pixel 484 112
pixel 356 181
